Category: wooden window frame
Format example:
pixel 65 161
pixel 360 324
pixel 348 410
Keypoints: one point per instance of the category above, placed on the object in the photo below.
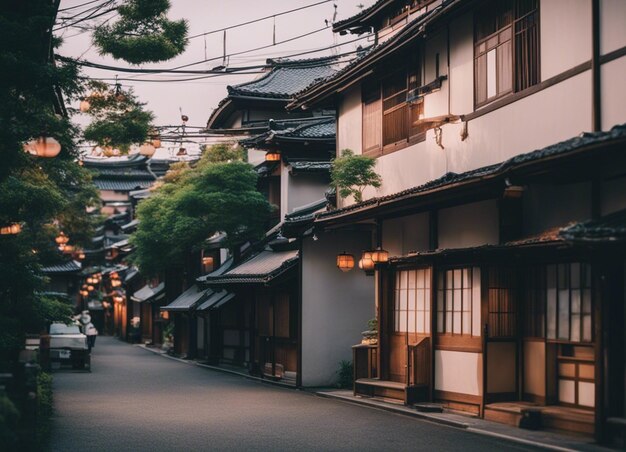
pixel 443 289
pixel 513 34
pixel 377 90
pixel 541 288
pixel 502 280
pixel 426 312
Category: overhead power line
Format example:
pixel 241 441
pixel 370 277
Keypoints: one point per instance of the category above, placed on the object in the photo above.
pixel 260 19
pixel 78 6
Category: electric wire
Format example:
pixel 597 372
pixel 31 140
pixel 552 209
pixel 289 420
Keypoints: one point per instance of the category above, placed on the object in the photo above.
pixel 260 19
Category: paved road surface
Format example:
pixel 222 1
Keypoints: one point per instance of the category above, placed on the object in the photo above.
pixel 135 400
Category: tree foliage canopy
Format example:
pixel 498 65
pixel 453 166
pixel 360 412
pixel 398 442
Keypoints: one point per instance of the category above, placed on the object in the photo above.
pixel 353 173
pixel 183 214
pixel 119 119
pixel 43 195
pixel 143 33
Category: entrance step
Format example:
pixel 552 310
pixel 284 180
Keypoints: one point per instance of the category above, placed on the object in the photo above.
pixel 428 407
pixel 387 389
pixel 531 416
pixel 522 414
pixel 568 419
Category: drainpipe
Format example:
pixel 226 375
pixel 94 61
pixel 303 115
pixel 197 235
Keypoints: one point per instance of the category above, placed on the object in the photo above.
pixel 596 119
pixel 596 99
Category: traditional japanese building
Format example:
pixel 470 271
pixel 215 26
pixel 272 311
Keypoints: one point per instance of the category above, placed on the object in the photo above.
pixel 492 124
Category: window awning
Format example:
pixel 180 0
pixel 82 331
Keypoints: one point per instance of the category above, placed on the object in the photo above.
pixel 148 294
pixel 216 300
pixel 188 299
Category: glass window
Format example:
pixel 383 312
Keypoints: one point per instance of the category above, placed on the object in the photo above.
pixel 412 301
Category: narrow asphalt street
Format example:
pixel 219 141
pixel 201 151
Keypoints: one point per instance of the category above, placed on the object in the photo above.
pixel 135 400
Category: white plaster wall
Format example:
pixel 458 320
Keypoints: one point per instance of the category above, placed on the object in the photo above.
pixel 613 196
pixel 437 104
pixel 303 190
pixel 552 115
pixel 550 206
pixel 458 372
pixel 110 195
pixel 335 305
pixel 612 25
pixel 535 368
pixel 565 35
pixel 613 80
pixel 255 157
pixel 469 225
pixel 349 120
pixel 461 76
pixel 501 367
pixel 405 234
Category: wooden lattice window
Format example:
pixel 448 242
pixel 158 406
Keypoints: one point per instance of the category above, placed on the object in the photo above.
pixel 502 303
pixel 412 301
pixel 455 300
pixel 535 301
pixel 506 48
pixel 569 302
pixel 391 116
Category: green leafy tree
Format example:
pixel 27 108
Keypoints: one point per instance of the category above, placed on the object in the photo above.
pixel 36 193
pixel 351 174
pixel 143 33
pixel 119 119
pixel 182 215
pixel 224 152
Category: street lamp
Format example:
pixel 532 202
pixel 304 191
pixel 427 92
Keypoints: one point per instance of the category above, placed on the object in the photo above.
pixel 380 256
pixel 12 229
pixel 43 146
pixel 345 262
pixel 272 156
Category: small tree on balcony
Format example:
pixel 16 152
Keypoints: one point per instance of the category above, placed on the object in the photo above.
pixel 351 174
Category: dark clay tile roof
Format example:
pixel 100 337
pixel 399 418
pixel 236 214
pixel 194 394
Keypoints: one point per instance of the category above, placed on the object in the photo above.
pixel 122 185
pixel 323 128
pixel 285 79
pixel 65 267
pixel 188 299
pixel 411 31
pixel 362 15
pixel 306 166
pixel 610 228
pixel 261 268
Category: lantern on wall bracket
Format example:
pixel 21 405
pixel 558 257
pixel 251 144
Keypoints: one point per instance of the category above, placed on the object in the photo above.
pixel 366 263
pixel 84 105
pixel 345 262
pixel 272 156
pixel 207 260
pixel 46 147
pixel 62 239
pixel 380 256
pixel 11 229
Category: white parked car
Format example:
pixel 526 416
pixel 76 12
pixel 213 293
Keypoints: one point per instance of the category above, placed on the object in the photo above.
pixel 67 343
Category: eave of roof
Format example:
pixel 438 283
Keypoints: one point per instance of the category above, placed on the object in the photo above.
pixel 362 66
pixel 610 228
pixel 122 185
pixel 71 266
pixel 264 268
pixel 364 17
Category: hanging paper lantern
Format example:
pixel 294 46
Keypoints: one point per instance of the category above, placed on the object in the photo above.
pixel 345 262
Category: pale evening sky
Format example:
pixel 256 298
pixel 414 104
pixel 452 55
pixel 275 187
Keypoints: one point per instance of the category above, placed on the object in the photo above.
pixel 197 98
